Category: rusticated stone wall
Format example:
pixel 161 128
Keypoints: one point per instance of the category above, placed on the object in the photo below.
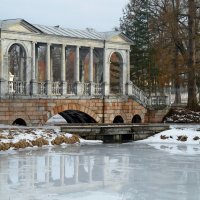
pixel 37 111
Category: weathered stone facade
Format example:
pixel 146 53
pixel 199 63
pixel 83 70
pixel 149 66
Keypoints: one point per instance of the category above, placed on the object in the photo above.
pixel 37 111
pixel 47 70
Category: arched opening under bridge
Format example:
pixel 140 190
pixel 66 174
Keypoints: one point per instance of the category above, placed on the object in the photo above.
pixel 136 119
pixel 118 119
pixel 20 122
pixel 76 116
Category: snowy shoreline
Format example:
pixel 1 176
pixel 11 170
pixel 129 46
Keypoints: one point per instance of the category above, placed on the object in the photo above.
pixel 15 137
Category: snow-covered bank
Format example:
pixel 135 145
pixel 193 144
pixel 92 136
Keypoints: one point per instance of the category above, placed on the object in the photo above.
pixel 20 137
pixel 177 135
pixel 179 139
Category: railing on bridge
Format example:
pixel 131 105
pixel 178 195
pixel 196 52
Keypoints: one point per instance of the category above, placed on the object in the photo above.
pixel 70 89
pixel 140 95
pixel 41 88
pixel 86 89
pixel 152 101
pixel 98 90
pixel 56 88
pixel 17 87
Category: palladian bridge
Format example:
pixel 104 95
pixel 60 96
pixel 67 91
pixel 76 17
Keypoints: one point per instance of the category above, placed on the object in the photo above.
pixel 83 75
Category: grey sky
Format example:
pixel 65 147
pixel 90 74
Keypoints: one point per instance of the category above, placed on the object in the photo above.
pixel 102 15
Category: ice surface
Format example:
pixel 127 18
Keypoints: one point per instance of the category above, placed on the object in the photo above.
pixel 133 171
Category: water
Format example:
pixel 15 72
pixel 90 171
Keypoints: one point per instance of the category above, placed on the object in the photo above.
pixel 99 172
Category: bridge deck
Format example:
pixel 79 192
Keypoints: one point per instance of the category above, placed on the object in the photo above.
pixel 114 132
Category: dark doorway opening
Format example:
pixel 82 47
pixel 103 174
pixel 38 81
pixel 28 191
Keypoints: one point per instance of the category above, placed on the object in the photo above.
pixel 136 119
pixel 76 116
pixel 19 122
pixel 118 119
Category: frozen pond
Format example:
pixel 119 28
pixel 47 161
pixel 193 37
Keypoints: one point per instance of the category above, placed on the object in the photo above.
pixel 100 172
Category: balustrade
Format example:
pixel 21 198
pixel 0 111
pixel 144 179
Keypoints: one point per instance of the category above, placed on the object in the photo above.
pixel 85 88
pixel 97 88
pixel 41 88
pixel 56 88
pixel 17 87
pixel 70 88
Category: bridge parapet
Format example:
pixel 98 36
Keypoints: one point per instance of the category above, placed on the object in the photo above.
pixel 19 88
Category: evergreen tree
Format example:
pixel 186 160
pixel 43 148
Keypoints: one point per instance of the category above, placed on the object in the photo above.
pixel 135 24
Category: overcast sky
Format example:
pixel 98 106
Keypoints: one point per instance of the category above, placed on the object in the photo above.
pixel 102 15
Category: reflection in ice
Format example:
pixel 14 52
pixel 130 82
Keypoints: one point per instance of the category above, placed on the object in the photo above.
pixel 106 172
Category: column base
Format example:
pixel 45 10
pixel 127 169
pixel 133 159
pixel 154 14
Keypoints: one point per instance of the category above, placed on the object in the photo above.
pixel 48 88
pixel 3 88
pixel 63 88
pixel 34 88
pixel 78 88
pixel 91 88
pixel 129 88
pixel 106 89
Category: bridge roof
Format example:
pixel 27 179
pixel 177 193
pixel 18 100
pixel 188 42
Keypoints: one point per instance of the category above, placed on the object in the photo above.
pixel 88 33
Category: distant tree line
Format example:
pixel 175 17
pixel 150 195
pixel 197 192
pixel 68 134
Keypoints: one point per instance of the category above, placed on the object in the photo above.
pixel 166 45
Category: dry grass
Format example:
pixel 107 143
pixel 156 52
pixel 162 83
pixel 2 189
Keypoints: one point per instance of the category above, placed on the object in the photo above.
pixel 4 146
pixel 67 140
pixel 182 138
pixel 21 144
pixel 163 137
pixel 40 142
pixel 196 138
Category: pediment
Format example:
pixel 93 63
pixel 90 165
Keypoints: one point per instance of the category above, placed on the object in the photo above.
pixel 117 38
pixel 20 26
pixel 120 38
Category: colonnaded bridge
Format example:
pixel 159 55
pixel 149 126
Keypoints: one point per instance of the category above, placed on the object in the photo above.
pixel 82 75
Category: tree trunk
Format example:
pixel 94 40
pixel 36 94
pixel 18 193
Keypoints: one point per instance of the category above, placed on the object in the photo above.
pixel 192 93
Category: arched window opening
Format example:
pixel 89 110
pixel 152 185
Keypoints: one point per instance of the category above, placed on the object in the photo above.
pixel 115 73
pixel 118 119
pixel 19 122
pixel 136 119
pixel 17 62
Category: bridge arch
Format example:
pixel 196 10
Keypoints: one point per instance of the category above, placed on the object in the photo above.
pixel 136 119
pixel 118 115
pixel 118 119
pixel 75 107
pixel 20 122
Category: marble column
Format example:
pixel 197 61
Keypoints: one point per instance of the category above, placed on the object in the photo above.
pixel 78 88
pixel 48 69
pixel 91 72
pixel 106 73
pixel 129 84
pixel 3 82
pixel 34 86
pixel 77 65
pixel 63 71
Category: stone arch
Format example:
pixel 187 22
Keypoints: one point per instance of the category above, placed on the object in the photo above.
pixel 118 119
pixel 116 72
pixel 112 117
pixel 75 106
pixel 19 43
pixel 136 119
pixel 20 122
pixel 17 61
